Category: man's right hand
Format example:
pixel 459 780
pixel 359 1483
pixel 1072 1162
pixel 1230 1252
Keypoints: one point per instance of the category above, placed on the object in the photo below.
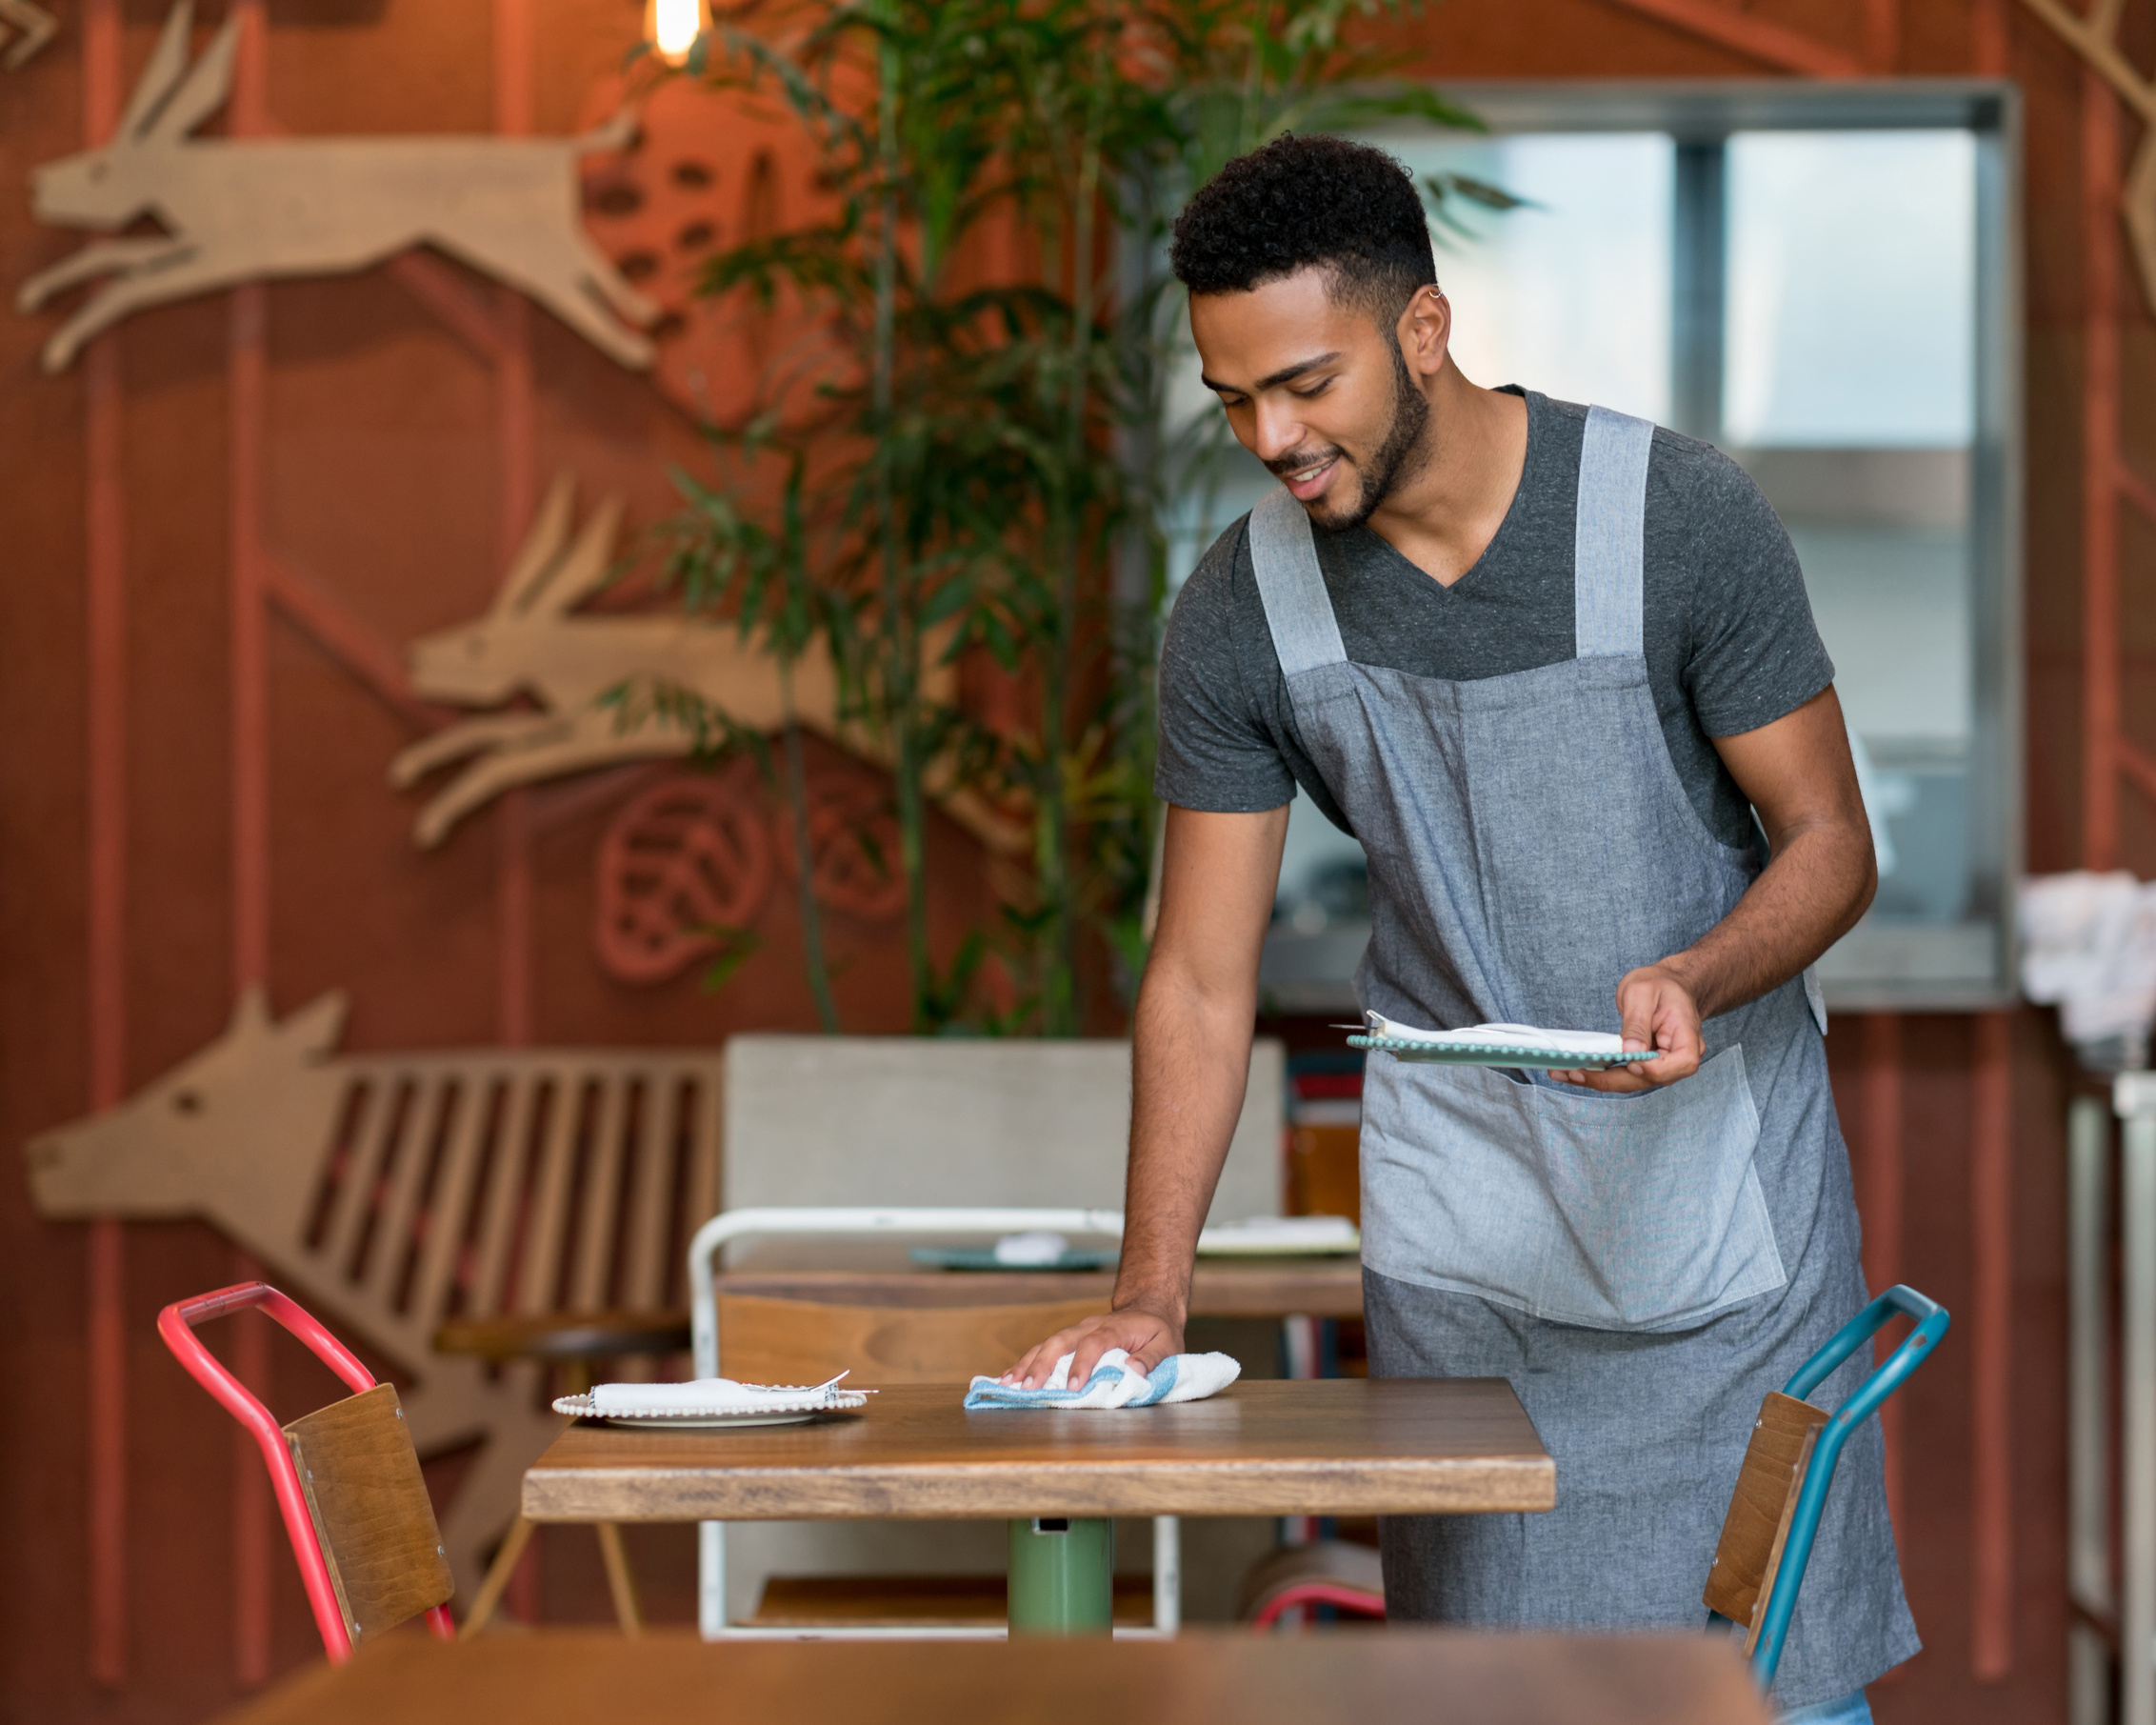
pixel 1147 1336
pixel 1189 1061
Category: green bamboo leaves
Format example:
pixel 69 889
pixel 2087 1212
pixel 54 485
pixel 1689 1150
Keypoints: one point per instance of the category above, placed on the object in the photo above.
pixel 982 478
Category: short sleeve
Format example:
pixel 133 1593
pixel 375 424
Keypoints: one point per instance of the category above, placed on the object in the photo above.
pixel 1217 754
pixel 1756 656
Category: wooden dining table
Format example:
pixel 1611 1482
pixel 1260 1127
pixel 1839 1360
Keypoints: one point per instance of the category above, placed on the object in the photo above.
pixel 581 1678
pixel 1309 1447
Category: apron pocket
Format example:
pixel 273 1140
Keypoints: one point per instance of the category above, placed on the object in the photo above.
pixel 1617 1213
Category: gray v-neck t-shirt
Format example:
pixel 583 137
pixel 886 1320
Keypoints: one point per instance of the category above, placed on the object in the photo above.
pixel 1729 633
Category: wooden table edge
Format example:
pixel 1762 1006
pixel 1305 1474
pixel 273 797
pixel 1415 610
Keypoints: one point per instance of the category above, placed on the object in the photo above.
pixel 1479 1485
pixel 1271 1288
pixel 674 1676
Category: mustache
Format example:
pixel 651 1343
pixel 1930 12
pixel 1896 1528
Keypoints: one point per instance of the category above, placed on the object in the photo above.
pixel 1296 460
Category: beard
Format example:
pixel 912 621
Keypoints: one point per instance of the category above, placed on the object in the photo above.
pixel 1379 478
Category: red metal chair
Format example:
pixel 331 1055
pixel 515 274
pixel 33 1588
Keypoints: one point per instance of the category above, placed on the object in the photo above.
pixel 1328 1573
pixel 347 1479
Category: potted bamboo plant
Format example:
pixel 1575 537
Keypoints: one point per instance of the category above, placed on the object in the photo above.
pixel 977 466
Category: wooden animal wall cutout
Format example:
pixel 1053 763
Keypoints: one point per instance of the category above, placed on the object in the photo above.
pixel 700 854
pixel 238 209
pixel 33 27
pixel 534 642
pixel 2095 39
pixel 391 1191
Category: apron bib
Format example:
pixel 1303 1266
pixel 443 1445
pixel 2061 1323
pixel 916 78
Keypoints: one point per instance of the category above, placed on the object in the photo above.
pixel 1528 843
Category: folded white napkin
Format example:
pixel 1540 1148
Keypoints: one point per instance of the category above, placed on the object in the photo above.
pixel 1502 1036
pixel 1031 1251
pixel 708 1396
pixel 1115 1383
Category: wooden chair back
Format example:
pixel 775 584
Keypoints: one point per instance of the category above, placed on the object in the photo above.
pixel 360 1473
pixel 1757 1526
pixel 765 1340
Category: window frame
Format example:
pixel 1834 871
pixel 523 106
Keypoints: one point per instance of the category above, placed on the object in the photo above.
pixel 1962 966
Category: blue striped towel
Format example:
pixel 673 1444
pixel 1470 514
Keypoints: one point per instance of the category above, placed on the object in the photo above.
pixel 1115 1383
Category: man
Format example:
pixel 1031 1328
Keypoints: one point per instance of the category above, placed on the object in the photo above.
pixel 1544 663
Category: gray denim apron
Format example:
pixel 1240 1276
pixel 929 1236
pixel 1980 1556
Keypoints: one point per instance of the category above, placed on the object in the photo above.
pixel 1641 1268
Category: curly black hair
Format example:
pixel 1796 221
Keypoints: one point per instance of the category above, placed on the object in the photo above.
pixel 1345 207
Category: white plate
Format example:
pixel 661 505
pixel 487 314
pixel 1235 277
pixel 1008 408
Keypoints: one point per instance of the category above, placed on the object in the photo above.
pixel 704 1422
pixel 783 1414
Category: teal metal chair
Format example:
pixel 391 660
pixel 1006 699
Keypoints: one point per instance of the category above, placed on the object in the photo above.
pixel 1773 1517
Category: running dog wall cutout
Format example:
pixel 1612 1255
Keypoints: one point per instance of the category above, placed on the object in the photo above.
pixel 241 209
pixel 534 642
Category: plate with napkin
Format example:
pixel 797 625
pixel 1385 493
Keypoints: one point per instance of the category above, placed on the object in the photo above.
pixel 704 1402
pixel 1524 1045
pixel 1035 1250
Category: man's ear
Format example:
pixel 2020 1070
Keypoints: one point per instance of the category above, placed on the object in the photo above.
pixel 1426 330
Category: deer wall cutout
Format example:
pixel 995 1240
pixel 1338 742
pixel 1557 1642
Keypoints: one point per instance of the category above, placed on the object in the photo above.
pixel 392 1191
pixel 534 642
pixel 2095 39
pixel 33 27
pixel 239 210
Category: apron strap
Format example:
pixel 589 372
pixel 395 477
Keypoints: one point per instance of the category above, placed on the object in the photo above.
pixel 1298 611
pixel 1608 551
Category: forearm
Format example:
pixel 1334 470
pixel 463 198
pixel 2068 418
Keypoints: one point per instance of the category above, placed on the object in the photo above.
pixel 1821 880
pixel 1190 1064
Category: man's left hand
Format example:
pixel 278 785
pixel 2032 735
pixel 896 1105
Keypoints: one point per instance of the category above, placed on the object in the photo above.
pixel 1657 1011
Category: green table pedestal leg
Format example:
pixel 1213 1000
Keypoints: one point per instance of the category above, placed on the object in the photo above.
pixel 1062 1576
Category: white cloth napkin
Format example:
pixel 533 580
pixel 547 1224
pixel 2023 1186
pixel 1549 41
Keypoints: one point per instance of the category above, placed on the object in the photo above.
pixel 1115 1383
pixel 705 1395
pixel 1503 1036
pixel 2089 945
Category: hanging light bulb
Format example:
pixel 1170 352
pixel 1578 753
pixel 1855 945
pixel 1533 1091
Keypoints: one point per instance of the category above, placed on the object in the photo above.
pixel 671 27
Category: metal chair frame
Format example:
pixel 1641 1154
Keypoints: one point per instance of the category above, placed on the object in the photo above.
pixel 703 1251
pixel 177 1324
pixel 1932 1320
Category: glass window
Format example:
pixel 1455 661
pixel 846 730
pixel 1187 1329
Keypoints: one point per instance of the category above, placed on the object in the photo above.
pixel 1849 375
pixel 1851 289
pixel 1525 311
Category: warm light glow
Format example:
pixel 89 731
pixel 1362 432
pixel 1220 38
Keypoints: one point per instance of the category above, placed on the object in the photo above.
pixel 671 27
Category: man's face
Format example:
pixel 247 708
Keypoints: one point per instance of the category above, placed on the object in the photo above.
pixel 1315 391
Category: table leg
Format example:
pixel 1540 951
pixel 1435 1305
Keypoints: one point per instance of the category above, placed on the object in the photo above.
pixel 1062 1575
pixel 498 1575
pixel 619 1583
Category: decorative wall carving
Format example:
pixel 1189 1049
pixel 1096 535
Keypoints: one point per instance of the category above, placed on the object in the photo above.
pixel 695 858
pixel 2095 39
pixel 241 209
pixel 32 27
pixel 710 169
pixel 682 863
pixel 853 842
pixel 535 643
pixel 392 1191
